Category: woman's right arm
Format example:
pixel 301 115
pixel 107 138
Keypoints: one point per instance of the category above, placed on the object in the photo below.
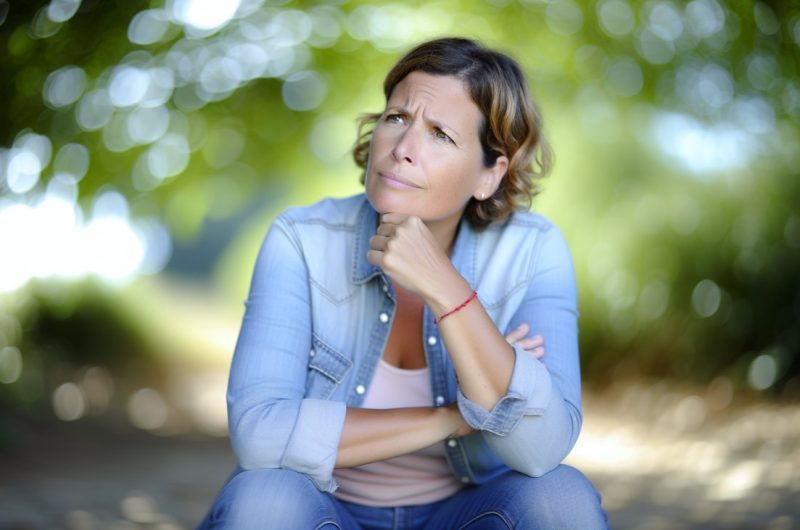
pixel 371 435
pixel 271 423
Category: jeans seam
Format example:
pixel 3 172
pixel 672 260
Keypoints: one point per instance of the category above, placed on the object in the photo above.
pixel 327 522
pixel 500 515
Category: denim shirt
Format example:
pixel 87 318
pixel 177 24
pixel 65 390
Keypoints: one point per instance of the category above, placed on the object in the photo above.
pixel 318 317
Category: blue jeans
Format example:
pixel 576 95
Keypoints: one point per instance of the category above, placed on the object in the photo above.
pixel 286 500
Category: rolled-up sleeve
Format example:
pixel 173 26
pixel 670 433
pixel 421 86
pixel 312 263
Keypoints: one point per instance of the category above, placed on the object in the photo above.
pixel 271 424
pixel 528 393
pixel 535 425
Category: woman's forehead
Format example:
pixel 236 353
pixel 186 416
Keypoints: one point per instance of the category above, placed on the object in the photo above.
pixel 439 97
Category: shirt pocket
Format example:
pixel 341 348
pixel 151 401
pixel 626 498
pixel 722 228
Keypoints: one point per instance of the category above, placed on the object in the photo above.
pixel 327 368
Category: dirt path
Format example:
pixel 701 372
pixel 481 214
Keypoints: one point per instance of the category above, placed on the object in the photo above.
pixel 88 476
pixel 661 459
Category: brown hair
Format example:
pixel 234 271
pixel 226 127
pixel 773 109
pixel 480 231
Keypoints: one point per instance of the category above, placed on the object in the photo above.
pixel 512 124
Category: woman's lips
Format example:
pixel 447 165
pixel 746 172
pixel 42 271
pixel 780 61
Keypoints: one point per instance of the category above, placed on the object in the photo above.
pixel 396 181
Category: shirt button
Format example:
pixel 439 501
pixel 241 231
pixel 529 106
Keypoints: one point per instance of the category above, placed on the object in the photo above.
pixel 452 443
pixel 432 340
pixel 440 400
pixel 385 288
pixel 384 317
pixel 312 353
pixel 360 389
pixel 464 479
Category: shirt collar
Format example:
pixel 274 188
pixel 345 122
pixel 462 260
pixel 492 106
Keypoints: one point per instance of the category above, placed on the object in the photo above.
pixel 363 270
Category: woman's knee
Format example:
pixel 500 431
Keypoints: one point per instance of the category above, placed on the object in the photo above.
pixel 272 498
pixel 563 498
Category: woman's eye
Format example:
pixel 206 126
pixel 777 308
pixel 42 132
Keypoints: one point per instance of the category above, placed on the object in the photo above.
pixel 440 135
pixel 395 118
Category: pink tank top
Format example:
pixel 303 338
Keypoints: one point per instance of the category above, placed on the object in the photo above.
pixel 416 478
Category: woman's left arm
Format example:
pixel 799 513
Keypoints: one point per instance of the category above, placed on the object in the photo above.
pixel 529 414
pixel 535 423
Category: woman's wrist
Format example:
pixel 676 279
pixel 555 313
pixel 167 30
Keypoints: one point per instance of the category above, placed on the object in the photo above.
pixel 448 294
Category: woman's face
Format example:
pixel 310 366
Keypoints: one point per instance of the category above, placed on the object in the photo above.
pixel 425 155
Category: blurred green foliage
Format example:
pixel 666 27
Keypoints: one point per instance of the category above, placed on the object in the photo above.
pixel 675 126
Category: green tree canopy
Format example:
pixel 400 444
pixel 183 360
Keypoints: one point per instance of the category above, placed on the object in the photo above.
pixel 130 124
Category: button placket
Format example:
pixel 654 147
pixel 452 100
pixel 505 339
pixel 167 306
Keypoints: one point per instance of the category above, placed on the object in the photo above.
pixel 384 310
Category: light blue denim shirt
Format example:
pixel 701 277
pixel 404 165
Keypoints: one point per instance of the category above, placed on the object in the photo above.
pixel 318 317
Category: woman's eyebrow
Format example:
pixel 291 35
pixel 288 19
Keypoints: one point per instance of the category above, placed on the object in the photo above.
pixel 443 126
pixel 401 109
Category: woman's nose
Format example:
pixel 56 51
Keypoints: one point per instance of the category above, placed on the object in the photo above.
pixel 405 148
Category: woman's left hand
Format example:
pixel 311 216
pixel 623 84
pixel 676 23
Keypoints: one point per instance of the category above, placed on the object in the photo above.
pixel 409 254
pixel 534 345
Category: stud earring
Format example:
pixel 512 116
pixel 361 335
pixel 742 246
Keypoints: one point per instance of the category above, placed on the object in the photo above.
pixel 483 195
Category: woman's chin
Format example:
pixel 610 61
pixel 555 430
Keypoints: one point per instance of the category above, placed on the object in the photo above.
pixel 386 203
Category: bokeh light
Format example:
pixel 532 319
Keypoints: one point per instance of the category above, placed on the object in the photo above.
pixel 766 21
pixel 703 149
pixel 304 90
pixel 564 17
pixel 69 403
pixel 139 508
pixel 97 386
pixel 204 14
pixel 623 76
pixel 148 26
pixel 616 17
pixel 706 298
pixel 146 125
pixel 72 159
pixel 128 86
pixel 168 157
pixel 763 371
pixel 62 10
pixel 706 18
pixel 42 25
pixel 147 409
pixel 56 240
pixel 94 110
pixel 64 86
pixel 654 300
pixel 10 364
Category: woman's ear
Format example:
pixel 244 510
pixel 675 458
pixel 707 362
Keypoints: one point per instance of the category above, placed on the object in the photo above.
pixel 491 178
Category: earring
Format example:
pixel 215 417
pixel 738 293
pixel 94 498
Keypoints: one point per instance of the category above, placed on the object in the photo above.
pixel 483 195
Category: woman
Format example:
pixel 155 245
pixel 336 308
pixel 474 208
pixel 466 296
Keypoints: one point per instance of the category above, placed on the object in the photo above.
pixel 372 385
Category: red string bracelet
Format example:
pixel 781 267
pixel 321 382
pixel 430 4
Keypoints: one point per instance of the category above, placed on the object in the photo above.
pixel 457 309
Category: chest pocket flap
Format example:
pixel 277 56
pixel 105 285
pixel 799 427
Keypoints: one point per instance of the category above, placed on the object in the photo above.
pixel 327 368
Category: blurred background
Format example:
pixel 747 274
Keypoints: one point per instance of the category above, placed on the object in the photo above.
pixel 146 145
